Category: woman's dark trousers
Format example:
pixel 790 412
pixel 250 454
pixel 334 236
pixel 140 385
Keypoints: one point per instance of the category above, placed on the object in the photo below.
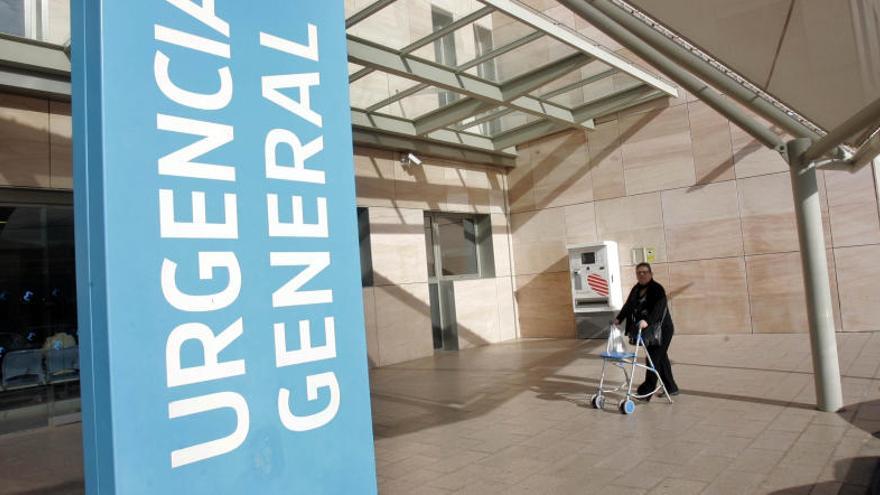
pixel 660 358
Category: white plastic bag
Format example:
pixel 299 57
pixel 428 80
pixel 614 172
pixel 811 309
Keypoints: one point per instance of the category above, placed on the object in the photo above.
pixel 616 343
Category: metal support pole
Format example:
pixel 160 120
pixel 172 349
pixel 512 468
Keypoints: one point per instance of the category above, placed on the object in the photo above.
pixel 868 116
pixel 817 286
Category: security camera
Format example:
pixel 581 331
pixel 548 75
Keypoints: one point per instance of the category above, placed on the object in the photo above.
pixel 411 159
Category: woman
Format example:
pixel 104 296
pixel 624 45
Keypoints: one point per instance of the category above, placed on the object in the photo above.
pixel 646 306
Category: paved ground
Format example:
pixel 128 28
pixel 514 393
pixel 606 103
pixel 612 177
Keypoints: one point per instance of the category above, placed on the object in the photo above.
pixel 512 419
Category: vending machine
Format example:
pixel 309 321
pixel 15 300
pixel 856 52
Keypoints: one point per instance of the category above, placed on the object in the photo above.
pixel 595 286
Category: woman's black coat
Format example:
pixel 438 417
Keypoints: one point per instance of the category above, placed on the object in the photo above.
pixel 652 312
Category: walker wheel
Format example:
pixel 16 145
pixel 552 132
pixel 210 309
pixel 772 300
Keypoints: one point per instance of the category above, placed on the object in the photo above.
pixel 597 401
pixel 627 407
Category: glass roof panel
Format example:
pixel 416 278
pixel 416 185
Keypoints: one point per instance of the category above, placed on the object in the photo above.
pixel 522 60
pixel 505 121
pixel 405 22
pixel 377 86
pixel 423 102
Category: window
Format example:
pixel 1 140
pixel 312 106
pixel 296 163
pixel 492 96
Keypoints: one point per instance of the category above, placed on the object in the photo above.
pixel 458 246
pixel 487 71
pixel 444 49
pixel 12 17
pixel 43 20
pixel 39 347
pixel 363 215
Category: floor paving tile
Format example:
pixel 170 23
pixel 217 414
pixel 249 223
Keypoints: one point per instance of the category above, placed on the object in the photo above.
pixel 514 418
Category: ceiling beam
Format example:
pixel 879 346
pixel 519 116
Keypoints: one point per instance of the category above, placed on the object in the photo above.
pixel 578 41
pixel 378 57
pixel 514 93
pixel 448 29
pixel 866 119
pixel 869 151
pixel 402 127
pixel 615 102
pixel 513 45
pixel 484 118
pixel 367 12
pixel 501 50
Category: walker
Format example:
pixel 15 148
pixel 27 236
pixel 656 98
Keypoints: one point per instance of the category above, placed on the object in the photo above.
pixel 616 353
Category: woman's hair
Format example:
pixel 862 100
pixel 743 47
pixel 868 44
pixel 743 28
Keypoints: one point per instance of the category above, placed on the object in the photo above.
pixel 645 265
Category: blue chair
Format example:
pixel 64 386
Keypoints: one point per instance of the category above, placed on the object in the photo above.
pixel 23 369
pixel 62 365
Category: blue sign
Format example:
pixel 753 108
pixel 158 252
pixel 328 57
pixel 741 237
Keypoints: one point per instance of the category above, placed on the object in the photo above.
pixel 220 307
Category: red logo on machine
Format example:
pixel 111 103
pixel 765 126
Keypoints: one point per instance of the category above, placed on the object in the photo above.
pixel 598 284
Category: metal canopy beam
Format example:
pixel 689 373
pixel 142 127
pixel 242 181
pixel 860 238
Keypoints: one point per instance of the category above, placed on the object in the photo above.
pixel 380 58
pixel 869 151
pixel 484 118
pixel 34 84
pixel 449 28
pixel 397 96
pixel 33 56
pixel 868 116
pixel 360 74
pixel 34 68
pixel 578 41
pixel 534 79
pixel 425 147
pixel 579 84
pixel 513 93
pixel 682 76
pixel 402 127
pixel 698 67
pixel 613 103
pixel 513 45
pixel 501 50
pixel 367 12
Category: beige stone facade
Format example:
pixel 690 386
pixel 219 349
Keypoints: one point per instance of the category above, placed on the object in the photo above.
pixel 671 174
pixel 715 205
pixel 397 306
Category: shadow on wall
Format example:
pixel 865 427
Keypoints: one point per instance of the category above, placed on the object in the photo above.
pixel 35 145
pixel 546 166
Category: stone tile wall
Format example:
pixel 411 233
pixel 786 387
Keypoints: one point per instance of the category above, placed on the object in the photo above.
pixel 397 307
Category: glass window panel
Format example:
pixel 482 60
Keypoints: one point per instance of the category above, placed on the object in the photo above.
pixel 363 215
pixel 429 246
pixel 12 17
pixel 458 245
pixel 416 105
pixel 594 91
pixel 44 20
pixel 39 369
pixel 406 21
pixel 58 30
pixel 444 49
pixel 502 123
pixel 485 44
pixel 527 57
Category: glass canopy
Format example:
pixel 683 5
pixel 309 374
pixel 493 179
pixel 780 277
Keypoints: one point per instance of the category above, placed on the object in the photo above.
pixel 485 75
